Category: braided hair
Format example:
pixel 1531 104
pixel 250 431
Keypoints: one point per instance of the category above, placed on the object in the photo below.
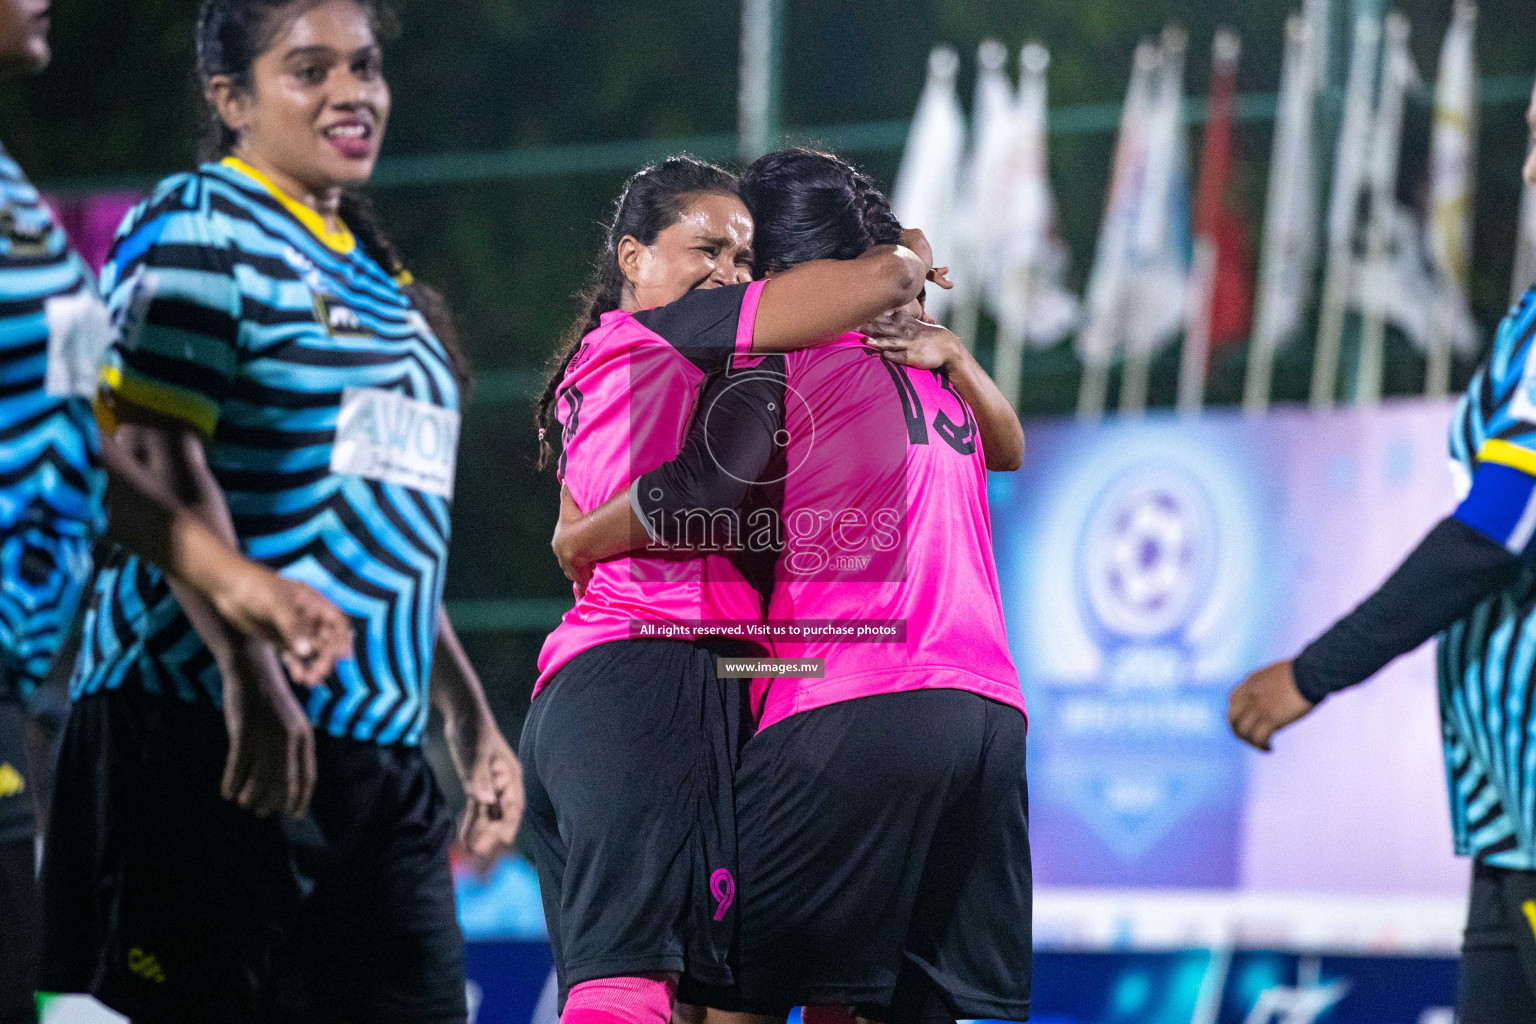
pixel 654 199
pixel 807 205
pixel 231 35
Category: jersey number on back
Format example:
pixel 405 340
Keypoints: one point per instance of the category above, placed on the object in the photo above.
pixel 959 436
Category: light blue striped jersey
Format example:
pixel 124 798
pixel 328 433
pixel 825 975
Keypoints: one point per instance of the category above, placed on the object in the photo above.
pixel 52 332
pixel 330 412
pixel 1487 661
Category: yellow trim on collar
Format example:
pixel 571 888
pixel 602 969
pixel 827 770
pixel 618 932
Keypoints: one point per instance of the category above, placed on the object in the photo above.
pixel 1502 453
pixel 341 241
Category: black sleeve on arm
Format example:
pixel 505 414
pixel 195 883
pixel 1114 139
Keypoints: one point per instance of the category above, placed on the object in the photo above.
pixel 1442 580
pixel 734 434
pixel 701 325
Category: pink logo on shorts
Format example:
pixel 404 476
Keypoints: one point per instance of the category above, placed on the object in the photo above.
pixel 723 886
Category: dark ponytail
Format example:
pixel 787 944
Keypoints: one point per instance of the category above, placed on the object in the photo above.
pixel 652 201
pixel 231 34
pixel 808 206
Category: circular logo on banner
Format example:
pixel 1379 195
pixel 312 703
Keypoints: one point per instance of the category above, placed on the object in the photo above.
pixel 1148 553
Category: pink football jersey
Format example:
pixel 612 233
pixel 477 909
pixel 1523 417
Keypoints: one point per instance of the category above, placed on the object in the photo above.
pixel 887 568
pixel 624 407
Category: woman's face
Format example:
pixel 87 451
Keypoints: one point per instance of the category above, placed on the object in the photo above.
pixel 318 103
pixel 24 36
pixel 709 246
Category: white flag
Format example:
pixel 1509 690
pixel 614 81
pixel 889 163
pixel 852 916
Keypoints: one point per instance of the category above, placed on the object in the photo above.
pixel 1399 287
pixel 924 196
pixel 1289 249
pixel 1389 248
pixel 992 109
pixel 1024 257
pixel 1159 252
pixel 1453 147
pixel 1316 15
pixel 1349 167
pixel 1103 332
pixel 1343 206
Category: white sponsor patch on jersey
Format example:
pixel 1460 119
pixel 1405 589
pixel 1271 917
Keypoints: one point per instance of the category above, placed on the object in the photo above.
pixel 79 331
pixel 397 440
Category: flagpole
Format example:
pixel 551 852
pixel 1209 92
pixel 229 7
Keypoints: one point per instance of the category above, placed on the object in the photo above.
pixel 1014 292
pixel 1216 150
pixel 761 71
pixel 1009 361
pixel 925 192
pixel 1134 363
pixel 1104 328
pixel 1386 144
pixel 1342 213
pixel 965 311
pixel 1136 373
pixel 991 60
pixel 1437 368
pixel 1452 155
pixel 1288 252
pixel 1137 367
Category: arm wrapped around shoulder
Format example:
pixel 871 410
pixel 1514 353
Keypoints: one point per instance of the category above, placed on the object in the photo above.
pixel 734 436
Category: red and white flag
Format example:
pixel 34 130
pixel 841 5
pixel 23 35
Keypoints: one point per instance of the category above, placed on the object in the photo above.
pixel 1220 304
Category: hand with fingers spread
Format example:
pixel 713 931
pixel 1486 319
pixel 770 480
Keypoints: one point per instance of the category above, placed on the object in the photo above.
pixel 271 762
pixel 1264 703
pixel 310 633
pixel 907 337
pixel 493 786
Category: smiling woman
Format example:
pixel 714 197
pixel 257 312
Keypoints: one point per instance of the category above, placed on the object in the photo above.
pixel 278 369
pixel 277 101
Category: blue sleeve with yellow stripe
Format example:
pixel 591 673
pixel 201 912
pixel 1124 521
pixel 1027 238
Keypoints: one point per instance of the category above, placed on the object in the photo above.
pixel 1502 503
pixel 172 291
pixel 1498 444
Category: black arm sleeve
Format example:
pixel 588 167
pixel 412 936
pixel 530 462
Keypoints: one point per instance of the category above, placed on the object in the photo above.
pixel 735 434
pixel 701 325
pixel 1442 580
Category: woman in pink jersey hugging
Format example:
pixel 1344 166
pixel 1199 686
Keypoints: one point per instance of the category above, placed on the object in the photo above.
pixel 632 741
pixel 881 808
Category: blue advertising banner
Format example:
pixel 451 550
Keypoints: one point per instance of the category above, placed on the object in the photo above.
pixel 511 983
pixel 1130 561
pixel 1146 567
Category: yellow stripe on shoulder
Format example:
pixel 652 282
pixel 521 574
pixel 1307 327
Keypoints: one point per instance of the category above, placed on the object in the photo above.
pixel 1503 453
pixel 158 398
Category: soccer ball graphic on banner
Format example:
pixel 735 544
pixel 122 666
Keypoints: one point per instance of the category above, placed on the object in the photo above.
pixel 1148 554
